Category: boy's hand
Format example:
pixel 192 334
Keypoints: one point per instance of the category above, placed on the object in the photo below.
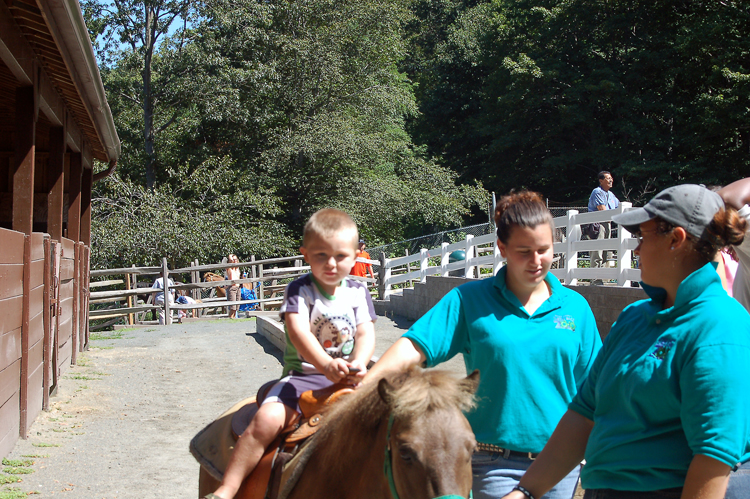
pixel 357 371
pixel 336 370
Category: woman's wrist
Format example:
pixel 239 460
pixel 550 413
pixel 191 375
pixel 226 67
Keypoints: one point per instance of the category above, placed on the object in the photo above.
pixel 524 491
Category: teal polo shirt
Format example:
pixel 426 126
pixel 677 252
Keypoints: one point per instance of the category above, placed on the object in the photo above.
pixel 669 384
pixel 530 365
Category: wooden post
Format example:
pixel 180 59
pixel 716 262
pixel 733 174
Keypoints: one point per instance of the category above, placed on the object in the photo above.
pixel 423 262
pixel 261 292
pixel 408 268
pixel 573 233
pixel 74 197
pixel 86 185
pixel 47 321
pixel 76 301
pixel 27 110
pixel 55 182
pixel 624 255
pixel 130 298
pixel 382 277
pixel 85 254
pixel 57 255
pixel 165 276
pixel 25 331
pixel 444 259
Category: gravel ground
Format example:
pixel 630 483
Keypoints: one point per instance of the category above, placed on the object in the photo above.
pixel 121 421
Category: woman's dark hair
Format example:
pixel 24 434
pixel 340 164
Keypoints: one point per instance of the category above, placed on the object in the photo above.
pixel 523 209
pixel 726 229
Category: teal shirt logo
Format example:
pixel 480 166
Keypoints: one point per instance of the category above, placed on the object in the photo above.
pixel 565 322
pixel 662 348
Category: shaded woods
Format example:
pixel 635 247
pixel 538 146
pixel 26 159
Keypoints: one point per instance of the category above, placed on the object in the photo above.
pixel 240 119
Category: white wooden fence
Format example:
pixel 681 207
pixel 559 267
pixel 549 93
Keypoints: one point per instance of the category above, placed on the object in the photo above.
pixel 482 252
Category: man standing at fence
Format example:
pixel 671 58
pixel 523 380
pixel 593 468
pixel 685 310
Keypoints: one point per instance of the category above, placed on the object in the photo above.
pixel 360 268
pixel 602 198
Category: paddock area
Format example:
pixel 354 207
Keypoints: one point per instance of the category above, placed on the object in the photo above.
pixel 120 424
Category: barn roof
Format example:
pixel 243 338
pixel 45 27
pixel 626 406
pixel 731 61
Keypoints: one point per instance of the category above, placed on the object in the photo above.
pixel 52 34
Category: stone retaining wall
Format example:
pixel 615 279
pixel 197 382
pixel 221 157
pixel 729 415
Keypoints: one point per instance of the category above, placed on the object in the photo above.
pixel 605 301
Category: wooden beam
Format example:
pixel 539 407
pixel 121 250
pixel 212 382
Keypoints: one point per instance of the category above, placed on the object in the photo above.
pixel 55 182
pixel 74 197
pixel 17 54
pixel 23 163
pixel 74 138
pixel 88 180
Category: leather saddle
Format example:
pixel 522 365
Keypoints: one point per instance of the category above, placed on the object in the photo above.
pixel 265 480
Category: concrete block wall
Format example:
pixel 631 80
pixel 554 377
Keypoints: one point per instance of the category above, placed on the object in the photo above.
pixel 605 301
pixel 272 330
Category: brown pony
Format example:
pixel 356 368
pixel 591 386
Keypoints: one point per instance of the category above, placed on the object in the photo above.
pixel 418 416
pixel 212 277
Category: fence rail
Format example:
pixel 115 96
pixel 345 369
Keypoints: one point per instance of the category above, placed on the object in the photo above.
pixel 435 261
pixel 269 277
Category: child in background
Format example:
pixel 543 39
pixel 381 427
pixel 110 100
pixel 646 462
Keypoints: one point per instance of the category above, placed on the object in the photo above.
pixel 329 330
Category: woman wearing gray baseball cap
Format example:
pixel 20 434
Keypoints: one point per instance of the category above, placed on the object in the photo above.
pixel 665 409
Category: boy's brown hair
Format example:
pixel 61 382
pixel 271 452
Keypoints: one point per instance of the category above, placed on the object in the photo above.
pixel 327 222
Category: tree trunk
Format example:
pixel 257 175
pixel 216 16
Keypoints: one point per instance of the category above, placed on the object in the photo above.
pixel 148 104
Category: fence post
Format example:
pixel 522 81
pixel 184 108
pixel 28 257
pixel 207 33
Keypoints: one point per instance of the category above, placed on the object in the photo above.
pixel 573 233
pixel 261 292
pixel 468 267
pixel 408 267
pixel 498 258
pixel 624 257
pixel 444 259
pixel 165 278
pixel 423 262
pixel 384 275
pixel 130 298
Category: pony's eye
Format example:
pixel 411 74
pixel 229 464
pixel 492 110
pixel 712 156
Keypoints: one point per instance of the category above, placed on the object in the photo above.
pixel 406 454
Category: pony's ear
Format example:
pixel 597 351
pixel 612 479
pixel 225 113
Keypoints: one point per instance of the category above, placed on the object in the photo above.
pixel 471 382
pixel 385 390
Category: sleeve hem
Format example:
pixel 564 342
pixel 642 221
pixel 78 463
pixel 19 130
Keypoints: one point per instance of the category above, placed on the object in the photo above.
pixel 718 455
pixel 429 361
pixel 573 406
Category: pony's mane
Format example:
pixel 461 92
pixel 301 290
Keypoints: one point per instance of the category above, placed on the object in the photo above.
pixel 356 417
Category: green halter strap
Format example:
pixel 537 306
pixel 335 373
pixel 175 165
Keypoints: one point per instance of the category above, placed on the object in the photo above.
pixel 388 467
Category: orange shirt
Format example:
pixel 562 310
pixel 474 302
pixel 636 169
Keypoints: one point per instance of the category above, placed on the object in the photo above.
pixel 360 269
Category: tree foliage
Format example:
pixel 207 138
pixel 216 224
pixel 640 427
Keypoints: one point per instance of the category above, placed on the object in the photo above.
pixel 303 103
pixel 547 94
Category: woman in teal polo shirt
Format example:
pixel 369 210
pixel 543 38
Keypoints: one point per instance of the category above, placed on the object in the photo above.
pixel 532 340
pixel 665 410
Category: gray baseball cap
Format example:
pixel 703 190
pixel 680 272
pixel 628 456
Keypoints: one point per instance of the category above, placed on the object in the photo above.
pixel 689 206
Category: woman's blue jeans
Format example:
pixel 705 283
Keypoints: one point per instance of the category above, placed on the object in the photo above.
pixel 495 476
pixel 739 483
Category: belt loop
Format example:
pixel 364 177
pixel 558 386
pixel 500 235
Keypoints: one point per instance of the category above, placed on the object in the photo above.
pixel 506 453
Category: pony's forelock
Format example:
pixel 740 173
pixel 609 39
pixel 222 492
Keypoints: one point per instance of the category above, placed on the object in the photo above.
pixel 417 392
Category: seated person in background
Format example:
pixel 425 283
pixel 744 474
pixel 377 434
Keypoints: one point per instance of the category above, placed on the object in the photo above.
pixel 329 330
pixel 184 299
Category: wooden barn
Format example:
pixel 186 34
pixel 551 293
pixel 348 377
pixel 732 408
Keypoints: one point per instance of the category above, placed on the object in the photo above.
pixel 54 121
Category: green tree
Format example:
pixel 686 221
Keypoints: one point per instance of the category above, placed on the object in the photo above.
pixel 653 91
pixel 128 34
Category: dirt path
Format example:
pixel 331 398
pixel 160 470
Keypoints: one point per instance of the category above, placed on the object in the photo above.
pixel 121 422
